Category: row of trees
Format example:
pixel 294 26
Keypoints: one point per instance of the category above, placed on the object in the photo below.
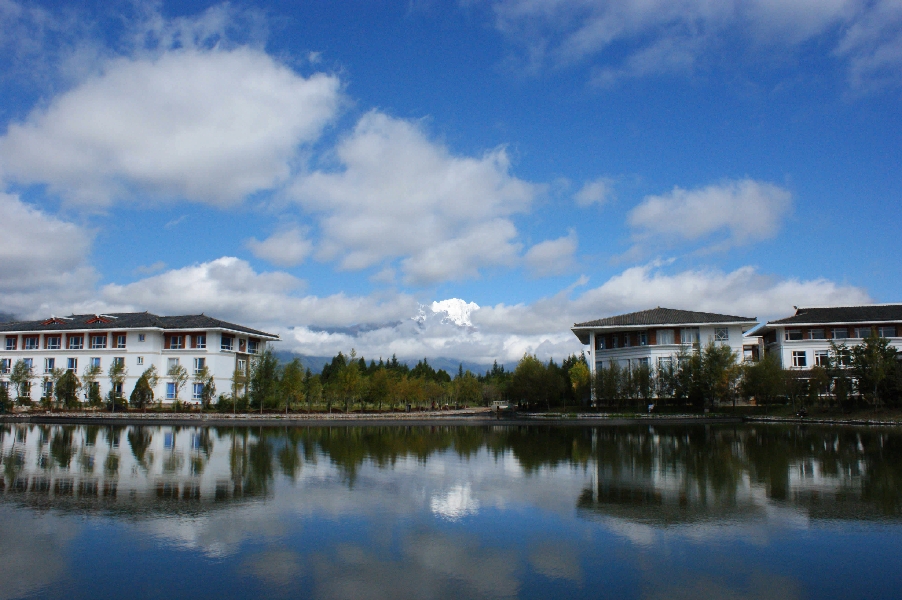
pixel 63 388
pixel 869 372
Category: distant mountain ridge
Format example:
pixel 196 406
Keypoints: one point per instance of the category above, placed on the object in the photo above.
pixel 316 363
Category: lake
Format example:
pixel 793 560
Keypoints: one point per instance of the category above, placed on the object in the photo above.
pixel 628 511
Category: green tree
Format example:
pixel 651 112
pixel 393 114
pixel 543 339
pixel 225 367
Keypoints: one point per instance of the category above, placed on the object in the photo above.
pixel 872 362
pixel 21 376
pixel 468 390
pixel 117 374
pixel 528 383
pixel 763 380
pixel 349 382
pixel 580 377
pixel 142 395
pixel 720 373
pixel 90 384
pixel 293 383
pixel 380 387
pixel 204 378
pixel 178 376
pixel 66 389
pixel 264 380
pixel 314 391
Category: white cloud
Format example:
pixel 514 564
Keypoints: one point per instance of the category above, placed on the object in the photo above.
pixel 737 212
pixel 285 248
pixel 552 257
pixel 390 323
pixel 743 292
pixel 598 192
pixel 661 36
pixel 204 125
pixel 396 194
pixel 42 259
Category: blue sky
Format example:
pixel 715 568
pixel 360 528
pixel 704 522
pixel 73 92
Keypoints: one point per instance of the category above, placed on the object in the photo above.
pixel 329 172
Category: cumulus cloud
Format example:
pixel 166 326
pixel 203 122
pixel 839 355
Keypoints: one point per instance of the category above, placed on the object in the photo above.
pixel 734 212
pixel 231 289
pixel 284 248
pixel 636 38
pixel 598 192
pixel 743 292
pixel 42 258
pixel 552 257
pixel 203 125
pixel 396 194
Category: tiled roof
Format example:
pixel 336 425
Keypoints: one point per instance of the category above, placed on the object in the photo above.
pixel 665 316
pixel 124 321
pixel 844 314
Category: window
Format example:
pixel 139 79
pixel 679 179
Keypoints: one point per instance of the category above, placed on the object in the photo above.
pixel 816 334
pixel 171 364
pixel 689 335
pixel 170 391
pixel 72 365
pixel 200 341
pixel 599 342
pixel 176 342
pixel 799 358
pixel 76 342
pixel 252 346
pixel 615 341
pixel 140 360
pixel 721 334
pixel 119 361
pixel 11 342
pixel 31 343
pixel 141 337
pixel 642 362
pixel 95 361
pixel 48 389
pixel 840 333
pixel 98 342
pixel 29 362
pixel 664 362
pixel 822 358
pixel 117 389
pixel 52 342
pixel 862 332
pixel 793 335
pixel 664 336
pixel 643 338
pixel 120 340
pixel 227 343
pixel 199 364
pixel 49 364
pixel 748 355
pixel 626 340
pixel 4 366
pixel 242 365
pixel 198 391
pixel 887 331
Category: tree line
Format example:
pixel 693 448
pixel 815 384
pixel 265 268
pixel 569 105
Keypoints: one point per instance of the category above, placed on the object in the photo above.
pixel 869 374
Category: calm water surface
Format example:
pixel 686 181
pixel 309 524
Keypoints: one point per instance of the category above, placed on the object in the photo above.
pixel 480 512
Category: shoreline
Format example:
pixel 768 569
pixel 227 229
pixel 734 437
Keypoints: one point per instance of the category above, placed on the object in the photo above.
pixel 480 417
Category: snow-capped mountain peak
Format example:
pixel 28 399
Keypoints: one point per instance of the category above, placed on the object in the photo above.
pixel 456 311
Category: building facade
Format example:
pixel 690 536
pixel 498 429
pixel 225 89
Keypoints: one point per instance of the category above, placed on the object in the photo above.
pixel 654 337
pixel 802 341
pixel 135 340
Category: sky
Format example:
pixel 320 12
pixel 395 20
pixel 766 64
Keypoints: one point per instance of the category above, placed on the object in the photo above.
pixel 461 180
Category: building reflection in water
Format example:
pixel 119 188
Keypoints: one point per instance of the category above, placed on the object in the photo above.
pixel 649 474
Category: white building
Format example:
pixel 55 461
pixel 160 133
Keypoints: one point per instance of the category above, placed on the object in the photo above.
pixel 653 337
pixel 803 340
pixel 137 340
